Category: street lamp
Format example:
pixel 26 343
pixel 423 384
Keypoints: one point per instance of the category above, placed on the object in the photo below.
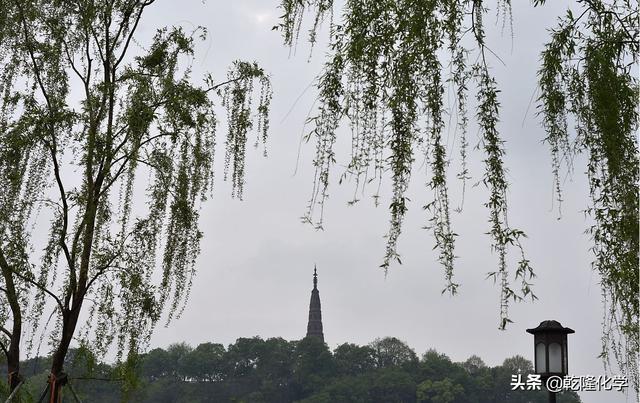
pixel 550 351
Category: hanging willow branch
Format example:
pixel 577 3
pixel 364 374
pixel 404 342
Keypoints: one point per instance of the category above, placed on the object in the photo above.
pixel 386 73
pixel 589 75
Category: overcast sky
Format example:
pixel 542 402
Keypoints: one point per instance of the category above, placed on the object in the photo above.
pixel 255 271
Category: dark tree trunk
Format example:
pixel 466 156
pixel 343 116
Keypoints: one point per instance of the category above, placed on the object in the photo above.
pixel 58 378
pixel 13 352
pixel 13 366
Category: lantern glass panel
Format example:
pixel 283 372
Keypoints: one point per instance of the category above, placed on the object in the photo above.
pixel 555 358
pixel 566 361
pixel 541 359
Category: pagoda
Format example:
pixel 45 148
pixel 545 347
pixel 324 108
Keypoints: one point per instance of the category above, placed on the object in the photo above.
pixel 314 327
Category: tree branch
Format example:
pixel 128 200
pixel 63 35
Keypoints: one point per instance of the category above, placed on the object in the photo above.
pixel 124 21
pixel 35 283
pixel 27 41
pixel 133 29
pixel 5 331
pixel 4 349
pixel 127 159
pixel 103 268
pixel 73 66
pixel 11 294
pixel 65 206
pixel 233 80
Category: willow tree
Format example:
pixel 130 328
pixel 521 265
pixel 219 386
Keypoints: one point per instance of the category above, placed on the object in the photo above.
pixel 385 74
pixel 84 113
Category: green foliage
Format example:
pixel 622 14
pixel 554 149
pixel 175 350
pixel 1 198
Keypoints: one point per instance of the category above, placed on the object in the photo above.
pixel 385 74
pixel 589 78
pixel 236 98
pixel 354 360
pixel 434 365
pixel 443 391
pixel 283 371
pixel 391 352
pixel 313 364
pixel 392 385
pixel 518 365
pixel 474 364
pixel 205 362
pixel 82 115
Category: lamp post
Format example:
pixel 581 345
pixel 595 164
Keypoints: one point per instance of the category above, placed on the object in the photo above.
pixel 550 351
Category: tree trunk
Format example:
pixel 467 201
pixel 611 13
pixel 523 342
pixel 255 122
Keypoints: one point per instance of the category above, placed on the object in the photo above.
pixel 58 378
pixel 13 353
pixel 13 366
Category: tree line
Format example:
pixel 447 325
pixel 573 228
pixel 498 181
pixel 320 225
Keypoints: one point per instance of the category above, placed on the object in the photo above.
pixel 277 370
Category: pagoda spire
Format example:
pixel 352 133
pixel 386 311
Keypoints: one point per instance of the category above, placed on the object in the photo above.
pixel 315 278
pixel 314 327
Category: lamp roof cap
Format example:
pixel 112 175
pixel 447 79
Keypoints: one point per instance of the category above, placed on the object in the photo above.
pixel 550 326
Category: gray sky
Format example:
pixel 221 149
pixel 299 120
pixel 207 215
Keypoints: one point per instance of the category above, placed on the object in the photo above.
pixel 255 272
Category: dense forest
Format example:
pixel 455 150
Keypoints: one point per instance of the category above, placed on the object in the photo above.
pixel 277 370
